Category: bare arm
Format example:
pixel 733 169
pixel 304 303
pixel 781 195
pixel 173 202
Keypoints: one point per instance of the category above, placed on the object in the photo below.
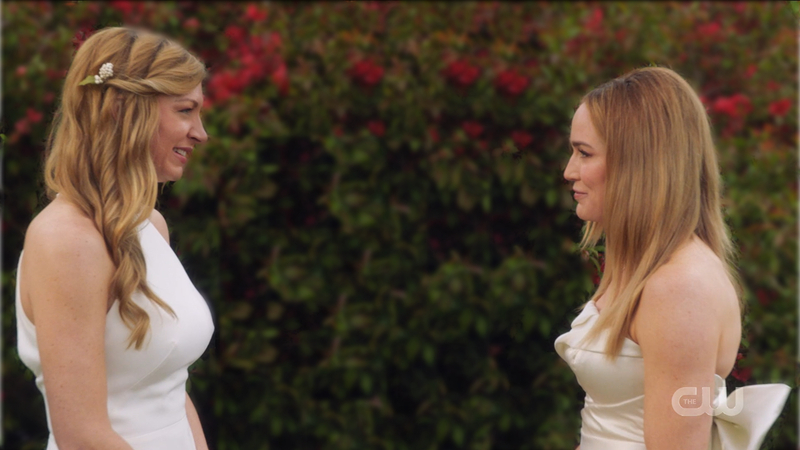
pixel 194 422
pixel 65 275
pixel 678 332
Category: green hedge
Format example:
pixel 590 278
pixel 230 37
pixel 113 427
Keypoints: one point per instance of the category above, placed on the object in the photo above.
pixel 380 220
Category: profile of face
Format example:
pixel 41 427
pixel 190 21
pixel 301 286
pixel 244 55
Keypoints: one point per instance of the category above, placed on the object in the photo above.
pixel 586 169
pixel 179 130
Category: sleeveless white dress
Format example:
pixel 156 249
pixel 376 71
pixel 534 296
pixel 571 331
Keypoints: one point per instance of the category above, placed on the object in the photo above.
pixel 147 387
pixel 613 414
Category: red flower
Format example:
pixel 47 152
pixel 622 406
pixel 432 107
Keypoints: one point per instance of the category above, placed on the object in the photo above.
pixel 595 21
pixel 433 133
pixel 21 71
pixel 80 37
pixel 281 79
pixel 255 14
pixel 222 85
pixel 376 127
pixel 33 115
pixel 764 297
pixel 274 42
pixel 191 23
pixel 461 74
pixel 511 83
pixel 521 138
pixel 780 107
pixel 734 106
pixel 750 71
pixel 472 128
pixel 234 33
pixel 709 30
pixel 125 7
pixel 742 374
pixel 772 86
pixel 22 126
pixel 366 73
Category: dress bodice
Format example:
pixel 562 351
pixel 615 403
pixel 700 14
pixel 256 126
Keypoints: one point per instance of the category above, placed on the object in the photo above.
pixel 146 387
pixel 613 414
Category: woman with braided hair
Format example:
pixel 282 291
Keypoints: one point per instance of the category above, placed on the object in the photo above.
pixel 107 319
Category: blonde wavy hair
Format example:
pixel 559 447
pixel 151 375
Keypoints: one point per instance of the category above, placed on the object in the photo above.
pixel 662 186
pixel 99 148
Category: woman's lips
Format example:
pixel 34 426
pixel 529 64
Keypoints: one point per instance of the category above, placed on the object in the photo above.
pixel 579 195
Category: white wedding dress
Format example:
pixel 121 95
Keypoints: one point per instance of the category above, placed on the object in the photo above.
pixel 147 387
pixel 613 414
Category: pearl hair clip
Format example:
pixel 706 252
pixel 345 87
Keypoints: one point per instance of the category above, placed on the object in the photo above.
pixel 106 72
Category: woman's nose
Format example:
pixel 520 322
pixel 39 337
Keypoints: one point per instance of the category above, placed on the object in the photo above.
pixel 571 171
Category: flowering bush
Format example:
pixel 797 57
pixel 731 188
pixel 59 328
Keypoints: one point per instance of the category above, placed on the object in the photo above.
pixel 380 220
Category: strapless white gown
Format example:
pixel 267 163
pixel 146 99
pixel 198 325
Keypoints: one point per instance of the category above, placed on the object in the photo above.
pixel 147 387
pixel 613 414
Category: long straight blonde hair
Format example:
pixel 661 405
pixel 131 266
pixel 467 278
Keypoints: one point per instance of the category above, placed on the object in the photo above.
pixel 99 152
pixel 662 186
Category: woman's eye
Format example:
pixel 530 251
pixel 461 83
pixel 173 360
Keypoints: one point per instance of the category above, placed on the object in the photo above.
pixel 583 154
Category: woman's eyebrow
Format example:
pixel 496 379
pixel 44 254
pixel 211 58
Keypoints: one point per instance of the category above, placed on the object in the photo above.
pixel 577 143
pixel 184 99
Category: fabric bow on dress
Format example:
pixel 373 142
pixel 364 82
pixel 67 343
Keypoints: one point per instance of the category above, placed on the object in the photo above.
pixel 745 429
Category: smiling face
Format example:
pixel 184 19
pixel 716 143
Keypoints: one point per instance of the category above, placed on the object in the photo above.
pixel 586 169
pixel 179 130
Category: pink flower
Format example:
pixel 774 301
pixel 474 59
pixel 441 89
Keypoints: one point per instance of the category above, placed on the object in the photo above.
pixel 511 83
pixel 521 139
pixel 461 74
pixel 472 128
pixel 376 127
pixel 780 107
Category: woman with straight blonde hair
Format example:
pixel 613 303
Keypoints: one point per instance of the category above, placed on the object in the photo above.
pixel 654 344
pixel 107 319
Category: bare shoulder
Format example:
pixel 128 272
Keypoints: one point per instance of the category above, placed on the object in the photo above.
pixel 65 264
pixel 694 278
pixel 62 230
pixel 687 302
pixel 161 225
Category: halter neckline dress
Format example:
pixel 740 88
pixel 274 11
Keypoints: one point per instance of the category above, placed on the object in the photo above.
pixel 146 387
pixel 613 414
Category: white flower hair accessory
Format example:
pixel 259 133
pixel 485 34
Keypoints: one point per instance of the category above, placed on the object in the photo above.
pixel 106 72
